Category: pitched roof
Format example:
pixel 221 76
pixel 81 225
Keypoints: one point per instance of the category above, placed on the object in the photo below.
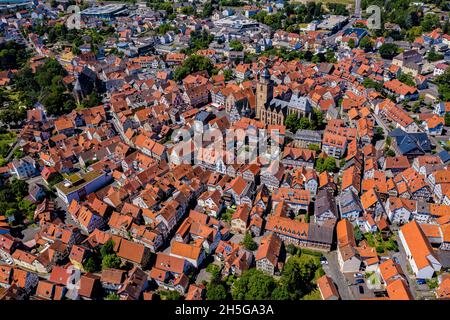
pixel 327 288
pixel 418 244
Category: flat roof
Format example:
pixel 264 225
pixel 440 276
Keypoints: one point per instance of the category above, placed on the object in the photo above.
pixel 107 9
pixel 77 181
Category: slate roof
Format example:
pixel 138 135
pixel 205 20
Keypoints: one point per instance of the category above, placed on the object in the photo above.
pixel 445 156
pixel 409 142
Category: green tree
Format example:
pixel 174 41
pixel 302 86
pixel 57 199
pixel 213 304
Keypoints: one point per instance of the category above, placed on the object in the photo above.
pixel 314 147
pixel 111 261
pixel 91 265
pixel 443 82
pixel 330 57
pixel 188 10
pixel 193 64
pixel 253 285
pixel 107 248
pixel 228 74
pixel 407 79
pixel 388 50
pixel 430 22
pixel 434 56
pixel 19 188
pixel 27 208
pixel 298 275
pixel 304 123
pixel 326 164
pixel 236 45
pixel 249 243
pixel 12 212
pixel 170 295
pixel 291 122
pixel 358 233
pixel 291 249
pixel 366 44
pixel 216 291
pixel 369 83
pixel 390 153
pixel 12 55
pixel 92 100
pixel 351 43
pixel 281 293
pixel 207 10
pixel 317 119
pixel 112 296
pixel 447 119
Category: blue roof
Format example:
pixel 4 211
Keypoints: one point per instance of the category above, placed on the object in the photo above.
pixel 202 116
pixel 444 155
pixel 408 142
pixel 360 32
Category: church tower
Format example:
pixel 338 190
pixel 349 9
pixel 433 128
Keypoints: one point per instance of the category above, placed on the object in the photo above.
pixel 264 92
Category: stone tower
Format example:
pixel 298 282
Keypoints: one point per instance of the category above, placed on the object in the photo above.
pixel 264 92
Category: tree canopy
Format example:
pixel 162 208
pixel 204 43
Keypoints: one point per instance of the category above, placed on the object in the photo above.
pixel 12 55
pixel 249 243
pixel 443 82
pixel 388 50
pixel 46 86
pixel 326 164
pixel 192 64
pixel 253 285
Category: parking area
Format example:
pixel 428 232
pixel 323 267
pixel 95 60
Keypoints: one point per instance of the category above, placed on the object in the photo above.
pixel 351 286
pixel 358 286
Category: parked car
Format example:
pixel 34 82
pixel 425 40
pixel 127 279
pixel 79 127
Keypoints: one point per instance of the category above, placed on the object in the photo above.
pixel 358 275
pixel 323 260
pixel 361 289
pixel 359 281
pixel 396 260
pixel 421 281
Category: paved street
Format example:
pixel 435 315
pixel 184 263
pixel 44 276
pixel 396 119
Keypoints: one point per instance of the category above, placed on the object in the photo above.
pixel 203 276
pixel 29 233
pixel 346 283
pixel 332 270
pixel 381 123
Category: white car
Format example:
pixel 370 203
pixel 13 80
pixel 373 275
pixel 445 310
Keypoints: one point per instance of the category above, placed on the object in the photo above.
pixel 358 275
pixel 324 262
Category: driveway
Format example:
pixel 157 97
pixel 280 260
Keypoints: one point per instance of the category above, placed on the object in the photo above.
pixel 354 288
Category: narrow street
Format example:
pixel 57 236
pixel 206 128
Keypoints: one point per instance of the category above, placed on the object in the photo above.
pixel 332 270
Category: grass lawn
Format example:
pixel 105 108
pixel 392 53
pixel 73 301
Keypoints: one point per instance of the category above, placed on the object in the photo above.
pixel 313 295
pixel 382 246
pixel 6 140
pixel 310 257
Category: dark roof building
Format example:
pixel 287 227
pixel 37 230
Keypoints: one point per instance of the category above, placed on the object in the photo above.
pixel 410 144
